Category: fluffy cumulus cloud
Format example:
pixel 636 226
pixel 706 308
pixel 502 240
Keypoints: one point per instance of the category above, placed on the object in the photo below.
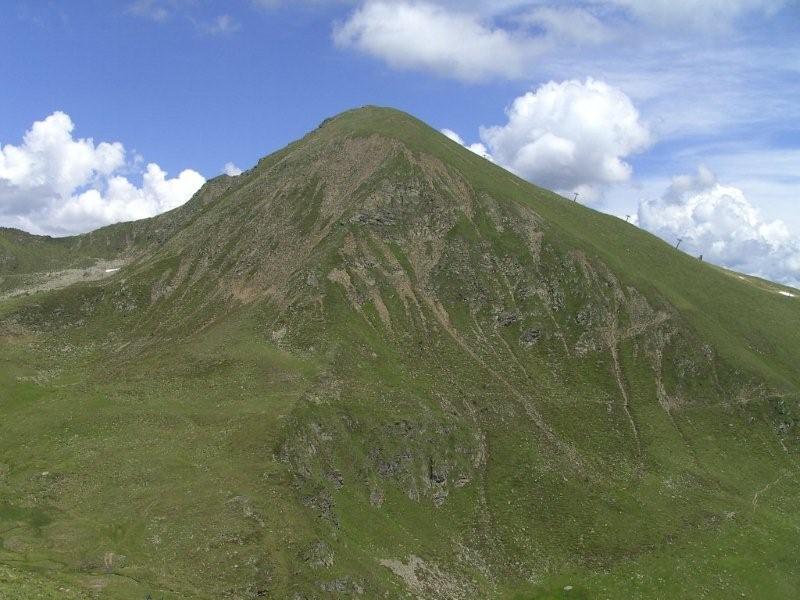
pixel 477 148
pixel 231 170
pixel 55 183
pixel 719 222
pixel 473 40
pixel 571 136
pixel 413 35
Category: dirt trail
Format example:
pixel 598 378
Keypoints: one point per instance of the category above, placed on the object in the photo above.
pixel 766 488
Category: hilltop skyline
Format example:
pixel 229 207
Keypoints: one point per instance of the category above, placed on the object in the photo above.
pixel 681 114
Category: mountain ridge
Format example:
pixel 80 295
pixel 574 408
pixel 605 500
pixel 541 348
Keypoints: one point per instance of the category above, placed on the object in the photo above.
pixel 377 364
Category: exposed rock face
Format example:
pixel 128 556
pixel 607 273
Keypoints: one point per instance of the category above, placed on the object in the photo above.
pixel 529 337
pixel 489 394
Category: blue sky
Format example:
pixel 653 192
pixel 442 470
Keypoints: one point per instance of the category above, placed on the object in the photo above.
pixel 683 114
pixel 188 98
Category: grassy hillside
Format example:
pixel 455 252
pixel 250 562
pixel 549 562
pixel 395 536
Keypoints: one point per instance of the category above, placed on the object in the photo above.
pixel 377 365
pixel 25 257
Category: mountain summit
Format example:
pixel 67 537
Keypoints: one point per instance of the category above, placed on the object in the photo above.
pixel 377 365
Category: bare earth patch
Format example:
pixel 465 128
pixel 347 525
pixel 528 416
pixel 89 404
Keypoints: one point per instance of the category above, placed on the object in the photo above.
pixel 54 280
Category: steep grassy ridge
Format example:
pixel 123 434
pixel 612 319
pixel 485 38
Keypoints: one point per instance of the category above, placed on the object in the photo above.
pixel 378 365
pixel 26 258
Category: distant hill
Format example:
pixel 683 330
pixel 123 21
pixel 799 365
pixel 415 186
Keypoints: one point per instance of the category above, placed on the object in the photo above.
pixel 377 365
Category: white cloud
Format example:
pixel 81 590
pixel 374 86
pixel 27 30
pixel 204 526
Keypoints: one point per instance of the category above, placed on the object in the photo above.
pixel 231 169
pixel 570 136
pixel 272 4
pixel 698 14
pixel 57 184
pixel 477 148
pixel 50 156
pixel 449 133
pixel 694 14
pixel 719 222
pixel 768 176
pixel 414 35
pixel 569 24
pixel 473 40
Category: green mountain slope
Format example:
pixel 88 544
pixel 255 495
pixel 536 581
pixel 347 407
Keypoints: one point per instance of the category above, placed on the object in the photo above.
pixel 377 365
pixel 27 260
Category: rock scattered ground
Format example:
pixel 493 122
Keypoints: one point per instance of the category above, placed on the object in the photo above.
pixel 34 283
pixel 376 365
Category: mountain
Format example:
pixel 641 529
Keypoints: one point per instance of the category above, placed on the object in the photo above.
pixel 377 365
